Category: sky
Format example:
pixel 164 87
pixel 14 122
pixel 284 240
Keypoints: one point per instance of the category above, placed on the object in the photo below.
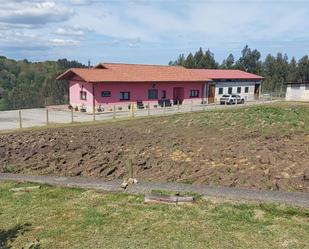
pixel 150 31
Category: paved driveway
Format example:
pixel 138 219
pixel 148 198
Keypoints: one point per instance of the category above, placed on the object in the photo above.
pixel 37 117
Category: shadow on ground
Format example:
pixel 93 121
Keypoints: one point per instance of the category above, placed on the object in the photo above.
pixel 8 236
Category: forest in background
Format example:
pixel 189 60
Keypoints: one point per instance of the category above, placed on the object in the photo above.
pixel 25 84
pixel 277 70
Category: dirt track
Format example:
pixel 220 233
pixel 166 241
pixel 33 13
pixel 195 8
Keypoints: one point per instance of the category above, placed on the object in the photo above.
pixel 178 148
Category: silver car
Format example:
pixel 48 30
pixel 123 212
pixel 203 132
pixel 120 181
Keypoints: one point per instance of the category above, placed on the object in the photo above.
pixel 231 99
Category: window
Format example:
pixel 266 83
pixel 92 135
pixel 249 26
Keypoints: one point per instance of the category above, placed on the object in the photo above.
pixel 163 94
pixel 246 89
pixel 83 95
pixel 106 94
pixel 124 95
pixel 221 90
pixel 239 89
pixel 194 93
pixel 230 90
pixel 152 94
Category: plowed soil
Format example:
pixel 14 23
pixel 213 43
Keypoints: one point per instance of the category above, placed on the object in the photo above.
pixel 256 147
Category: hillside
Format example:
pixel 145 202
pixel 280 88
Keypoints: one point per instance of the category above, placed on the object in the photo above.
pixel 25 84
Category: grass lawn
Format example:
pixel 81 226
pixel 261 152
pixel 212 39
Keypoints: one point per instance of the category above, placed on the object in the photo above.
pixel 73 218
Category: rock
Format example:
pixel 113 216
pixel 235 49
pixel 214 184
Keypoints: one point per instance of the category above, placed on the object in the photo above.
pixel 285 175
pixel 132 181
pixel 124 184
pixel 306 175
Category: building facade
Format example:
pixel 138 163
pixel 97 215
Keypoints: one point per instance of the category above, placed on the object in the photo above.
pixel 297 91
pixel 110 85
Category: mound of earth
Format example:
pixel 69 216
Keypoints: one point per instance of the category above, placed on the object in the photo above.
pixel 162 149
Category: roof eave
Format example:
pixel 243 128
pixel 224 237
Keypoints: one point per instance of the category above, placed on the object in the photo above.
pixel 65 75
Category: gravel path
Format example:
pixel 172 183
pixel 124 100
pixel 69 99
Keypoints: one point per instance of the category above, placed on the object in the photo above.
pixel 289 198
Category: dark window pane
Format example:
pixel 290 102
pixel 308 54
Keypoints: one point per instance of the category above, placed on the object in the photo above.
pixel 239 89
pixel 124 95
pixel 106 93
pixel 230 90
pixel 83 95
pixel 246 89
pixel 152 94
pixel 194 93
pixel 221 90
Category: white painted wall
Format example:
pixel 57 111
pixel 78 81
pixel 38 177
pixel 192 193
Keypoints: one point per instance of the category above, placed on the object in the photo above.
pixel 225 85
pixel 297 92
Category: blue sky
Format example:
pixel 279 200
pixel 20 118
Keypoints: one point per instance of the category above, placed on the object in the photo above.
pixel 153 31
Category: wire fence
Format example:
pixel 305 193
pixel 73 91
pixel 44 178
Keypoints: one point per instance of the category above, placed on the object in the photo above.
pixel 45 117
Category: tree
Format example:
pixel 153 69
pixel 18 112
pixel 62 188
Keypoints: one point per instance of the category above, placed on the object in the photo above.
pixel 228 63
pixel 302 73
pixel 249 61
pixel 25 84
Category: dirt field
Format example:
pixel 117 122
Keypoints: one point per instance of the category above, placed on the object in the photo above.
pixel 265 147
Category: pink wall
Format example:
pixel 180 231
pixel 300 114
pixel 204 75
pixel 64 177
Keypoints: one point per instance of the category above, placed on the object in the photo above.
pixel 75 88
pixel 138 91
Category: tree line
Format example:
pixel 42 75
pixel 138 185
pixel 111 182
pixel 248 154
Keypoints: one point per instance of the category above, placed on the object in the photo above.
pixel 25 84
pixel 277 70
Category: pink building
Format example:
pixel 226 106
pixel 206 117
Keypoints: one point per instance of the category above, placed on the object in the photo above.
pixel 110 84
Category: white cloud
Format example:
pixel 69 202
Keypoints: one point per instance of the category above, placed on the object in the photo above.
pixel 63 42
pixel 70 31
pixel 33 13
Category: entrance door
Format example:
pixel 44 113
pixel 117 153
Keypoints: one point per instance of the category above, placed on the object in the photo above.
pixel 257 91
pixel 178 95
pixel 211 94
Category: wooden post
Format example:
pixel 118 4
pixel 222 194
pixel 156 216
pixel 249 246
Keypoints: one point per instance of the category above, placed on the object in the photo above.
pixel 114 113
pixel 19 117
pixel 225 103
pixel 164 108
pixel 236 101
pixel 130 168
pixel 178 105
pixel 93 113
pixel 132 110
pixel 72 116
pixel 148 109
pixel 191 106
pixel 47 118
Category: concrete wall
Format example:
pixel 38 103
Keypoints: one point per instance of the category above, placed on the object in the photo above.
pixel 299 92
pixel 225 85
pixel 138 91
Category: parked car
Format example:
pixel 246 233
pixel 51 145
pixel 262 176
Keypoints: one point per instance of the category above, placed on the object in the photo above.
pixel 231 99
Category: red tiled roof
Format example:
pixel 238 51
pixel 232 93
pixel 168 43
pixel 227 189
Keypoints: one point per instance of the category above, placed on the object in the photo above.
pixel 114 72
pixel 225 74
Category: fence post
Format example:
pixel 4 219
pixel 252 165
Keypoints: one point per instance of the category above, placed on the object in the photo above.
pixel 164 107
pixel 93 113
pixel 178 105
pixel 148 109
pixel 47 117
pixel 130 168
pixel 72 116
pixel 114 113
pixel 191 106
pixel 225 103
pixel 132 110
pixel 19 117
